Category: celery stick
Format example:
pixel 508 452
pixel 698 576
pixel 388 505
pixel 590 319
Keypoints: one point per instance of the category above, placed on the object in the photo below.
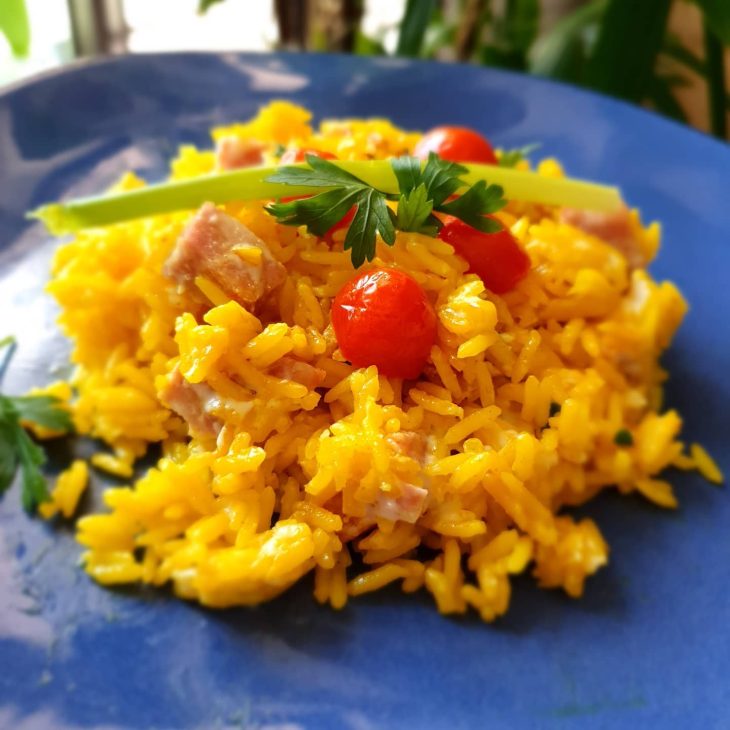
pixel 251 184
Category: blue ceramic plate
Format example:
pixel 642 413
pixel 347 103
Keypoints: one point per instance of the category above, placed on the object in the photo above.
pixel 648 646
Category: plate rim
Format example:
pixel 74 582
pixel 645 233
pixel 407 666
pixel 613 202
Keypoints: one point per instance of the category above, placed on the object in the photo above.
pixel 83 64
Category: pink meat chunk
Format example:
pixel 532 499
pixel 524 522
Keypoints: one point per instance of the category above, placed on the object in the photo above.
pixel 410 444
pixel 194 403
pixel 613 228
pixel 233 153
pixel 407 506
pixel 289 368
pixel 206 248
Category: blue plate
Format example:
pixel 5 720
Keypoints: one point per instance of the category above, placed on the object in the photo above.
pixel 648 646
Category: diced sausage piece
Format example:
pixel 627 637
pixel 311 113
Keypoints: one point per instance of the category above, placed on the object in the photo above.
pixel 613 228
pixel 289 368
pixel 220 248
pixel 407 506
pixel 410 444
pixel 233 153
pixel 194 403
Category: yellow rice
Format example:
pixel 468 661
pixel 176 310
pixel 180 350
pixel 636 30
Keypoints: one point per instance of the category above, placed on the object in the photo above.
pixel 283 489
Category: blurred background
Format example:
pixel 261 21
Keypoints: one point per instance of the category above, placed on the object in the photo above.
pixel 668 55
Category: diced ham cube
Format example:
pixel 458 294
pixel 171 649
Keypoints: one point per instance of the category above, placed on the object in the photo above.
pixel 613 228
pixel 410 502
pixel 410 444
pixel 407 506
pixel 194 403
pixel 210 246
pixel 233 153
pixel 289 368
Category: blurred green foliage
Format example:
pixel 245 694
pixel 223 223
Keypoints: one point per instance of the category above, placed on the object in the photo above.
pixel 619 47
pixel 14 26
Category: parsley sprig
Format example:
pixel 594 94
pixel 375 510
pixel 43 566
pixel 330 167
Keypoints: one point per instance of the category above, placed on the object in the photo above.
pixel 423 190
pixel 511 158
pixel 17 449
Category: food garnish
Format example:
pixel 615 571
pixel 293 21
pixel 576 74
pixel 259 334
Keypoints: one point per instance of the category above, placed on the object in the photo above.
pixel 17 449
pixel 255 184
pixel 421 192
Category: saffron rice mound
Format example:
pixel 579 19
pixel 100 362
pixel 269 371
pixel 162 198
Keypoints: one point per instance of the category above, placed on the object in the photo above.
pixel 280 458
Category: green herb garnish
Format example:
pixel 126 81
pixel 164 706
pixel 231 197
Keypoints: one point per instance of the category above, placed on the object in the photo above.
pixel 623 437
pixel 17 449
pixel 511 158
pixel 422 190
pixel 252 184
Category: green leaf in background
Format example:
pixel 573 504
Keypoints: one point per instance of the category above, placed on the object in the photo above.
pixel 367 46
pixel 521 23
pixel 413 26
pixel 626 50
pixel 439 35
pixel 204 5
pixel 15 27
pixel 562 53
pixel 717 17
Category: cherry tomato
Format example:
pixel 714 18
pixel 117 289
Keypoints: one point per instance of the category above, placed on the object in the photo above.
pixel 496 258
pixel 457 144
pixel 344 223
pixel 382 317
pixel 293 155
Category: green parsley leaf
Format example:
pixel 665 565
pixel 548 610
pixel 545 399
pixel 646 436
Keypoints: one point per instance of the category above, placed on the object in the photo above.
pixel 511 158
pixel 31 457
pixel 372 216
pixel 8 457
pixel 407 172
pixel 422 189
pixel 442 178
pixel 474 204
pixel 414 212
pixel 320 212
pixel 18 449
pixel 43 410
pixel 320 173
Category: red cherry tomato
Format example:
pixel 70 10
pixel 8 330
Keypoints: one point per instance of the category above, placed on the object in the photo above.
pixel 496 258
pixel 457 144
pixel 343 224
pixel 383 317
pixel 293 155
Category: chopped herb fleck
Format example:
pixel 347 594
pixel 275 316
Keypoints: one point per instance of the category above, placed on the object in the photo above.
pixel 623 437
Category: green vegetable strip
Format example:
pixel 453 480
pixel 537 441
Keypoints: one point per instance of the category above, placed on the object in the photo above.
pixel 250 184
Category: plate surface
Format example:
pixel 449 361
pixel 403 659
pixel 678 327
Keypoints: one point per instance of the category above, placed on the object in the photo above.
pixel 648 646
